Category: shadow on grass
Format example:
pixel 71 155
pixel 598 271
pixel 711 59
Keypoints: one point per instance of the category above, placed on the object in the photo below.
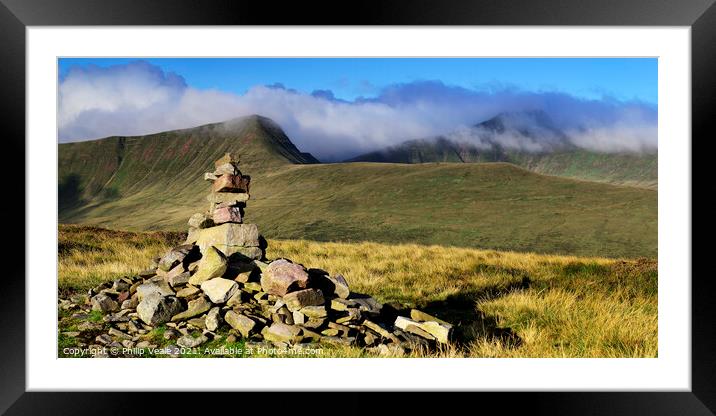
pixel 69 192
pixel 468 321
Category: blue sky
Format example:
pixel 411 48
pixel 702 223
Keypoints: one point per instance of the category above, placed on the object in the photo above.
pixel 348 78
pixel 337 108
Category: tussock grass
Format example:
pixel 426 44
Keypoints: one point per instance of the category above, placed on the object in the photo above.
pixel 88 256
pixel 554 306
pixel 504 304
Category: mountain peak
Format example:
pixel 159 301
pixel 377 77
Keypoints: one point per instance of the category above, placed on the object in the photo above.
pixel 530 124
pixel 273 138
pixel 255 119
pixel 254 134
pixel 529 139
pixel 117 165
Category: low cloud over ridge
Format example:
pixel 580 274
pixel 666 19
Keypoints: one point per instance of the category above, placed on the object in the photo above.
pixel 139 98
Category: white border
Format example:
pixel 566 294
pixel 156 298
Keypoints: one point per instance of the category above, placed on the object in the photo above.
pixel 671 371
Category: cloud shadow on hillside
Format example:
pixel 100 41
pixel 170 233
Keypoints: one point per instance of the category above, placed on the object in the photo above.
pixel 69 192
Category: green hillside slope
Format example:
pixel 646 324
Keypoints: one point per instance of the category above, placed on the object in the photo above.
pixel 154 182
pixel 629 169
pixel 165 164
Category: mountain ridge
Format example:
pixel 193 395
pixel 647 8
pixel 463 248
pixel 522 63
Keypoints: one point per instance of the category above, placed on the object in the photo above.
pixel 559 157
pixel 118 164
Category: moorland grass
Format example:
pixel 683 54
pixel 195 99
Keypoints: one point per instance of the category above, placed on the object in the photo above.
pixel 88 256
pixel 504 304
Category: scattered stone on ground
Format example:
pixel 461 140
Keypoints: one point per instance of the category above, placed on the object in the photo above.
pixel 220 279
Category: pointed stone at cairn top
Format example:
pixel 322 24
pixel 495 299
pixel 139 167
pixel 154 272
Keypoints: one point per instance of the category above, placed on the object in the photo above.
pixel 227 158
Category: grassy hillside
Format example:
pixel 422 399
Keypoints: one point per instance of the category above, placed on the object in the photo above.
pixel 495 206
pixel 630 169
pixel 168 163
pixel 154 183
pixel 504 304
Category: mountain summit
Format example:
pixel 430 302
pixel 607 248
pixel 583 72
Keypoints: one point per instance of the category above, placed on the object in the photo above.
pixel 270 135
pixel 166 163
pixel 492 140
pixel 530 140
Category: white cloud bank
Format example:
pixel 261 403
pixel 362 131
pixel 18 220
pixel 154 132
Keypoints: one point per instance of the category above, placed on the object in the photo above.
pixel 139 98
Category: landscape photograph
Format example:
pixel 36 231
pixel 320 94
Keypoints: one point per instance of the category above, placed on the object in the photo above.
pixel 357 207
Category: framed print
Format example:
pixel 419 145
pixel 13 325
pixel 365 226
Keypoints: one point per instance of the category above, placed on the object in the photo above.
pixel 492 199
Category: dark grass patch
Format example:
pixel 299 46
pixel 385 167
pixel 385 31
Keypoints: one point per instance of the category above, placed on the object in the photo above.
pixel 579 268
pixel 91 237
pixel 65 246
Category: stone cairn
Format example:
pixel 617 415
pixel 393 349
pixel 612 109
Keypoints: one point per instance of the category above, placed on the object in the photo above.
pixel 220 277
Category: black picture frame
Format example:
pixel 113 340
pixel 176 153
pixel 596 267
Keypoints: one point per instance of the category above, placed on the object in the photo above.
pixel 16 15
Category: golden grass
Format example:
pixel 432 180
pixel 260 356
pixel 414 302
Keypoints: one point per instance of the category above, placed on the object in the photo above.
pixel 504 304
pixel 555 306
pixel 89 256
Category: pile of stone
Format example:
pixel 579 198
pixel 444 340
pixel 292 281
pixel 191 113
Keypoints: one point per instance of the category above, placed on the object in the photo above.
pixel 220 277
